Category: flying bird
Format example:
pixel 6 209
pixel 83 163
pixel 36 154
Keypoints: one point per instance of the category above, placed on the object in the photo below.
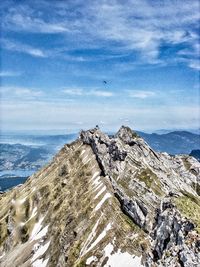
pixel 105 82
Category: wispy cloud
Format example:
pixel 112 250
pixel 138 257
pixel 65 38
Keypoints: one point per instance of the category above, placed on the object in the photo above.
pixel 9 73
pixel 194 64
pixel 20 93
pixel 73 91
pixel 86 42
pixel 23 48
pixel 140 94
pixel 100 93
pixel 86 92
pixel 140 25
pixel 32 23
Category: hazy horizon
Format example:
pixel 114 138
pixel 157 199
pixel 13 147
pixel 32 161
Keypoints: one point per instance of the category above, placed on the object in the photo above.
pixel 76 131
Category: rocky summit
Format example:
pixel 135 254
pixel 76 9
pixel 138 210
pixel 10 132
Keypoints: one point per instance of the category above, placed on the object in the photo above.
pixel 105 201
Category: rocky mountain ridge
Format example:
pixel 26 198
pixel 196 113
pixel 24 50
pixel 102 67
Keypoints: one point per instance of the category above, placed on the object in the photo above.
pixel 39 149
pixel 105 201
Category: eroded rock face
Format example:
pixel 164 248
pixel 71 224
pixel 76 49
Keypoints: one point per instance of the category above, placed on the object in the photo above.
pixel 102 201
pixel 173 237
pixel 141 180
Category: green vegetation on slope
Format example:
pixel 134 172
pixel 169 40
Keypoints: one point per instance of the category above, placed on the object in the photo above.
pixel 189 206
pixel 151 181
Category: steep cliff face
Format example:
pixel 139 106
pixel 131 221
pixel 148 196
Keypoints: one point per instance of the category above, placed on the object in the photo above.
pixel 104 201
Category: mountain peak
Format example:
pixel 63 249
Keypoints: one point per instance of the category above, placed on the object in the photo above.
pixel 103 201
pixel 126 134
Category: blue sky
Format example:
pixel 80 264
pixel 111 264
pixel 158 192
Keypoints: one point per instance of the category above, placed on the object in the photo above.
pixel 55 56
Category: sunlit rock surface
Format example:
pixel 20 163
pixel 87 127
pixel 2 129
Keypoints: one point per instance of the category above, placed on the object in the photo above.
pixel 105 201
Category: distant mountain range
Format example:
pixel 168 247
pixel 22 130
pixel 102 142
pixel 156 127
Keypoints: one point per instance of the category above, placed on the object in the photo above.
pixel 165 131
pixel 177 142
pixel 29 152
pixel 17 156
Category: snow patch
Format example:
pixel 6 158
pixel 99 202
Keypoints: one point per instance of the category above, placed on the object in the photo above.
pixel 97 187
pixel 119 259
pixel 100 192
pixel 91 259
pixel 37 233
pixel 2 255
pixel 21 201
pixel 95 175
pixel 85 159
pixel 90 237
pixel 42 233
pixel 34 189
pixel 107 195
pixel 85 162
pixel 96 182
pixel 40 251
pixel 101 236
pixel 83 152
pixel 34 212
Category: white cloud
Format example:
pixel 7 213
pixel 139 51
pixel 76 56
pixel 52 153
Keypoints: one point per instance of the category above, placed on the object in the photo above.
pixel 100 93
pixel 23 48
pixel 20 93
pixel 30 23
pixel 194 64
pixel 144 26
pixel 139 25
pixel 140 94
pixel 73 91
pixel 87 92
pixel 9 73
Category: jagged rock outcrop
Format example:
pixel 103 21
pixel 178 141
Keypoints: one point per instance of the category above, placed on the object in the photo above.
pixel 105 201
pixel 170 176
pixel 174 241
